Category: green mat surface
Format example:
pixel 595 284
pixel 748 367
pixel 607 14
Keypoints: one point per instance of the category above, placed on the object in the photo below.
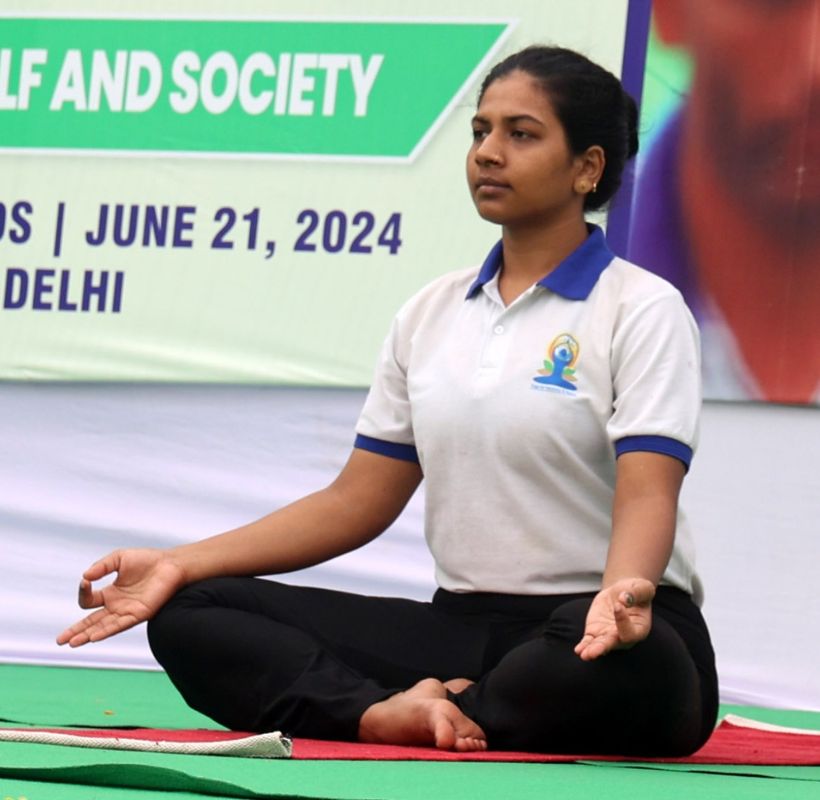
pixel 408 781
pixel 101 698
pixel 53 696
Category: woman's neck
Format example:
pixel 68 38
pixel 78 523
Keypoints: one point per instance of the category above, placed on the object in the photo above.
pixel 531 253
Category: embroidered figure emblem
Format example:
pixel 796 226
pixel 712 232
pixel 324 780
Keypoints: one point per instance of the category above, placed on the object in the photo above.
pixel 559 365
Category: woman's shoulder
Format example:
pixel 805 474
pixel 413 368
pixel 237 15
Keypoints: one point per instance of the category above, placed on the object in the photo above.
pixel 634 284
pixel 637 299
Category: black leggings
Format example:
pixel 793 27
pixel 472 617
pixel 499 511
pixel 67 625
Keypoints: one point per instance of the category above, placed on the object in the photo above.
pixel 257 655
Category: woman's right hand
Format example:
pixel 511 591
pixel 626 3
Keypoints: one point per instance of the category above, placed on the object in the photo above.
pixel 360 504
pixel 146 579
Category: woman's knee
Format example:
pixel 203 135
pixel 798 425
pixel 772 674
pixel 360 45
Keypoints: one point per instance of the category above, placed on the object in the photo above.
pixel 185 617
pixel 568 621
pixel 644 700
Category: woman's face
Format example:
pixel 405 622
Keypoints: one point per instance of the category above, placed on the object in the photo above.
pixel 520 169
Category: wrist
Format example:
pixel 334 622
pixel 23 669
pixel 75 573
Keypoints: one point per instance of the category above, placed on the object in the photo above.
pixel 184 562
pixel 611 579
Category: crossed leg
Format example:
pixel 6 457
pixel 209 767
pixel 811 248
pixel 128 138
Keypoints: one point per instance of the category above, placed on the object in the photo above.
pixel 256 655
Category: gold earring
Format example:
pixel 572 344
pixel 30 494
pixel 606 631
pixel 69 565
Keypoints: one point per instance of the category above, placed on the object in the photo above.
pixel 583 187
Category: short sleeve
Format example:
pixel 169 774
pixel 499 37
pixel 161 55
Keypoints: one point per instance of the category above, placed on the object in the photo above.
pixel 655 361
pixel 385 424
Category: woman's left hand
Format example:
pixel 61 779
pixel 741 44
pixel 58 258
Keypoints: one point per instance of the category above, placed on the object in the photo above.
pixel 620 616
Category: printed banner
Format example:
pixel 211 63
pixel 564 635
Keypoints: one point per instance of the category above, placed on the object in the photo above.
pixel 307 88
pixel 245 193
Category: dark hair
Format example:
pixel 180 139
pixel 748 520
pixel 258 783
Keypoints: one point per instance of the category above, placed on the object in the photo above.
pixel 589 102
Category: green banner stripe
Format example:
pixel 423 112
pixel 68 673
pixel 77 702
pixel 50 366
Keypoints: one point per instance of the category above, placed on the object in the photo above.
pixel 365 89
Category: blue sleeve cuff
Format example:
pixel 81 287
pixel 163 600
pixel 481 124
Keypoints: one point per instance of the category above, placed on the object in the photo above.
pixel 655 444
pixel 404 452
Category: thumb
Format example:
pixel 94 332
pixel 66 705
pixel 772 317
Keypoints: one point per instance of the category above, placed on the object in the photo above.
pixel 639 592
pixel 105 566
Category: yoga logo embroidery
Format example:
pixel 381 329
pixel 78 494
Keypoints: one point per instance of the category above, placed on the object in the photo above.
pixel 559 365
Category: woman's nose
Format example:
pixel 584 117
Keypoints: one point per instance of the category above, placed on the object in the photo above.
pixel 488 151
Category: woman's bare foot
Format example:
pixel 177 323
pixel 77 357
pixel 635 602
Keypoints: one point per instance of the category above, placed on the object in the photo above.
pixel 421 716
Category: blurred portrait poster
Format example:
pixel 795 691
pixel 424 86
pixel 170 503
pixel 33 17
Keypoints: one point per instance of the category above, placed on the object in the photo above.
pixel 727 197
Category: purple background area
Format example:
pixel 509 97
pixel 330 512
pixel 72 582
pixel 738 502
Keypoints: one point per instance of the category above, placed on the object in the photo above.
pixel 632 74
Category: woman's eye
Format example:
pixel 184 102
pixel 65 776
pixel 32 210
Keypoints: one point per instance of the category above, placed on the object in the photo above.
pixel 520 135
pixel 478 134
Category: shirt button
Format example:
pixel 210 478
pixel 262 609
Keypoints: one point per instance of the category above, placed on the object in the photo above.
pixel 499 329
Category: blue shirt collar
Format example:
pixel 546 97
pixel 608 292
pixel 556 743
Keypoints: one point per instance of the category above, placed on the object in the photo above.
pixel 574 278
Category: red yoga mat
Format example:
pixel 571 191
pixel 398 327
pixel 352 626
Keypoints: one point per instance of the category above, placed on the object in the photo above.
pixel 735 741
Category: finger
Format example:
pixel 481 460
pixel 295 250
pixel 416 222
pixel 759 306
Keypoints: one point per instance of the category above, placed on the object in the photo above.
pixel 624 617
pixel 623 622
pixel 101 627
pixel 594 646
pixel 80 632
pixel 632 626
pixel 110 626
pixel 65 636
pixel 91 598
pixel 600 646
pixel 80 628
pixel 73 632
pixel 642 593
pixel 87 596
pixel 105 566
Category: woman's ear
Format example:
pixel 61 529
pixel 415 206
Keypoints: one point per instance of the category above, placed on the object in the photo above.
pixel 590 168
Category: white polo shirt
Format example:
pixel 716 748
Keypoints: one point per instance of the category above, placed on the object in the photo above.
pixel 517 413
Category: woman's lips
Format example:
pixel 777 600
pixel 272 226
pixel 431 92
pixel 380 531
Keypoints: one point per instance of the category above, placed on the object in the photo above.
pixel 490 186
